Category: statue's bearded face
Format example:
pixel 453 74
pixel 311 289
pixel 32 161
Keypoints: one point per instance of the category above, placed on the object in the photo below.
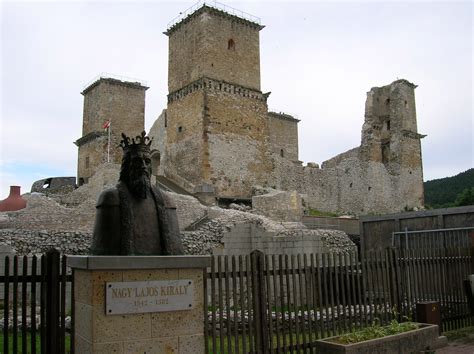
pixel 138 173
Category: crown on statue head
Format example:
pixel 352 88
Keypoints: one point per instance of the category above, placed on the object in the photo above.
pixel 139 143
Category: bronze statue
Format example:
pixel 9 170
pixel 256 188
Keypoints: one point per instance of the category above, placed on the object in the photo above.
pixel 135 218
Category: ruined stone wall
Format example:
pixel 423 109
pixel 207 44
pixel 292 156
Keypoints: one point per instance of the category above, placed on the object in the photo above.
pixel 211 43
pixel 383 175
pixel 283 134
pixel 350 185
pixel 122 103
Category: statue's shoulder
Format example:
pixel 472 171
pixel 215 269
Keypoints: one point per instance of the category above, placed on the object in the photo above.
pixel 166 199
pixel 109 197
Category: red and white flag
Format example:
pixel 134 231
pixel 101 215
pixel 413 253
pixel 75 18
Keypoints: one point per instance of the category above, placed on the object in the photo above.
pixel 106 124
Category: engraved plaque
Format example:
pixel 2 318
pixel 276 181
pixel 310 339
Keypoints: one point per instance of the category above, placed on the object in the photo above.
pixel 148 296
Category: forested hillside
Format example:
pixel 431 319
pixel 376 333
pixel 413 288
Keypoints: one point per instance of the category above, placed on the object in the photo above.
pixel 450 191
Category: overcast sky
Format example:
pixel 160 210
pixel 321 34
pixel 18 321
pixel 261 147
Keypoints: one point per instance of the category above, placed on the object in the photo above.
pixel 317 58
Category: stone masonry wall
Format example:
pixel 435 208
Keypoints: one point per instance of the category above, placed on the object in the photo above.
pixel 244 238
pixel 185 154
pixel 351 186
pixel 383 175
pixel 158 145
pixel 211 43
pixel 279 205
pixel 283 134
pixel 122 103
pixel 238 143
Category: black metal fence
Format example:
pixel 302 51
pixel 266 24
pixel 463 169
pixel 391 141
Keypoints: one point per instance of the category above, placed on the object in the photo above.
pixel 461 237
pixel 258 303
pixel 278 304
pixel 34 305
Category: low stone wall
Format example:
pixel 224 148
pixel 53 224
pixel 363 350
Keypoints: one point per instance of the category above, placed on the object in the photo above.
pixel 279 205
pixel 244 238
pixel 348 225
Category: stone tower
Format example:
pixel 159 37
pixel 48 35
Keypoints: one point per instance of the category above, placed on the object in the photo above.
pixel 390 135
pixel 107 99
pixel 216 121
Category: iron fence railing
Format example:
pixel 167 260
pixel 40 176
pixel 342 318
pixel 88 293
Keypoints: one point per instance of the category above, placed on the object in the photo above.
pixel 35 304
pixel 440 238
pixel 278 303
pixel 217 5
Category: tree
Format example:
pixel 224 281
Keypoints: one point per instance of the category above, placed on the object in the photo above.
pixel 465 198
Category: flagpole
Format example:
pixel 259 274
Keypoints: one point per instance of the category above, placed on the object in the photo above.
pixel 108 142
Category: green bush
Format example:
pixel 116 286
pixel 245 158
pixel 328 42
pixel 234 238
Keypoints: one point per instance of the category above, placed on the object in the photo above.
pixel 376 331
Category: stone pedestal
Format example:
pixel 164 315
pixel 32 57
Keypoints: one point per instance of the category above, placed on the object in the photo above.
pixel 177 331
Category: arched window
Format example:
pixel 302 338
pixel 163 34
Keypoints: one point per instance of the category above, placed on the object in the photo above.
pixel 231 44
pixel 282 153
pixel 155 162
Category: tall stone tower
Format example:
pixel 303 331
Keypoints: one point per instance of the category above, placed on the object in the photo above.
pixel 122 103
pixel 216 121
pixel 390 136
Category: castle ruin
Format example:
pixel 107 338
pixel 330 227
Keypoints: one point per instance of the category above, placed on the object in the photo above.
pixel 217 138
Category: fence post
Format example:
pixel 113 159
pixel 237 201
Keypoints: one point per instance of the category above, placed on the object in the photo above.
pixel 259 301
pixel 52 301
pixel 6 304
pixel 397 281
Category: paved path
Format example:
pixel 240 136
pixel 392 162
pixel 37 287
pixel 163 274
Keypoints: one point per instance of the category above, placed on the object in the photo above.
pixel 464 346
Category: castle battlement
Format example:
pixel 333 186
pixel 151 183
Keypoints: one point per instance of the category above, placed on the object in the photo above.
pixel 217 9
pixel 216 85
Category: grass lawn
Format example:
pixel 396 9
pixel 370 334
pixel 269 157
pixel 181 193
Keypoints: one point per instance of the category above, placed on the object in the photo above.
pixel 28 341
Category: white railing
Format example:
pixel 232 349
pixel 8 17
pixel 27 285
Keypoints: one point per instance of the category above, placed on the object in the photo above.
pixel 277 111
pixel 216 5
pixel 116 77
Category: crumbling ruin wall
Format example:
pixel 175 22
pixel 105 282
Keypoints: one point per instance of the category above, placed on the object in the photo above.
pixel 383 175
pixel 351 186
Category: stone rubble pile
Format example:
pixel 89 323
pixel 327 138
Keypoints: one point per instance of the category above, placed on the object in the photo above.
pixel 209 235
pixel 19 319
pixel 350 315
pixel 30 242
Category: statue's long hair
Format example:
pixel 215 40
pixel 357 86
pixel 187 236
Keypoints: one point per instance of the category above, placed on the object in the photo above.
pixel 125 167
